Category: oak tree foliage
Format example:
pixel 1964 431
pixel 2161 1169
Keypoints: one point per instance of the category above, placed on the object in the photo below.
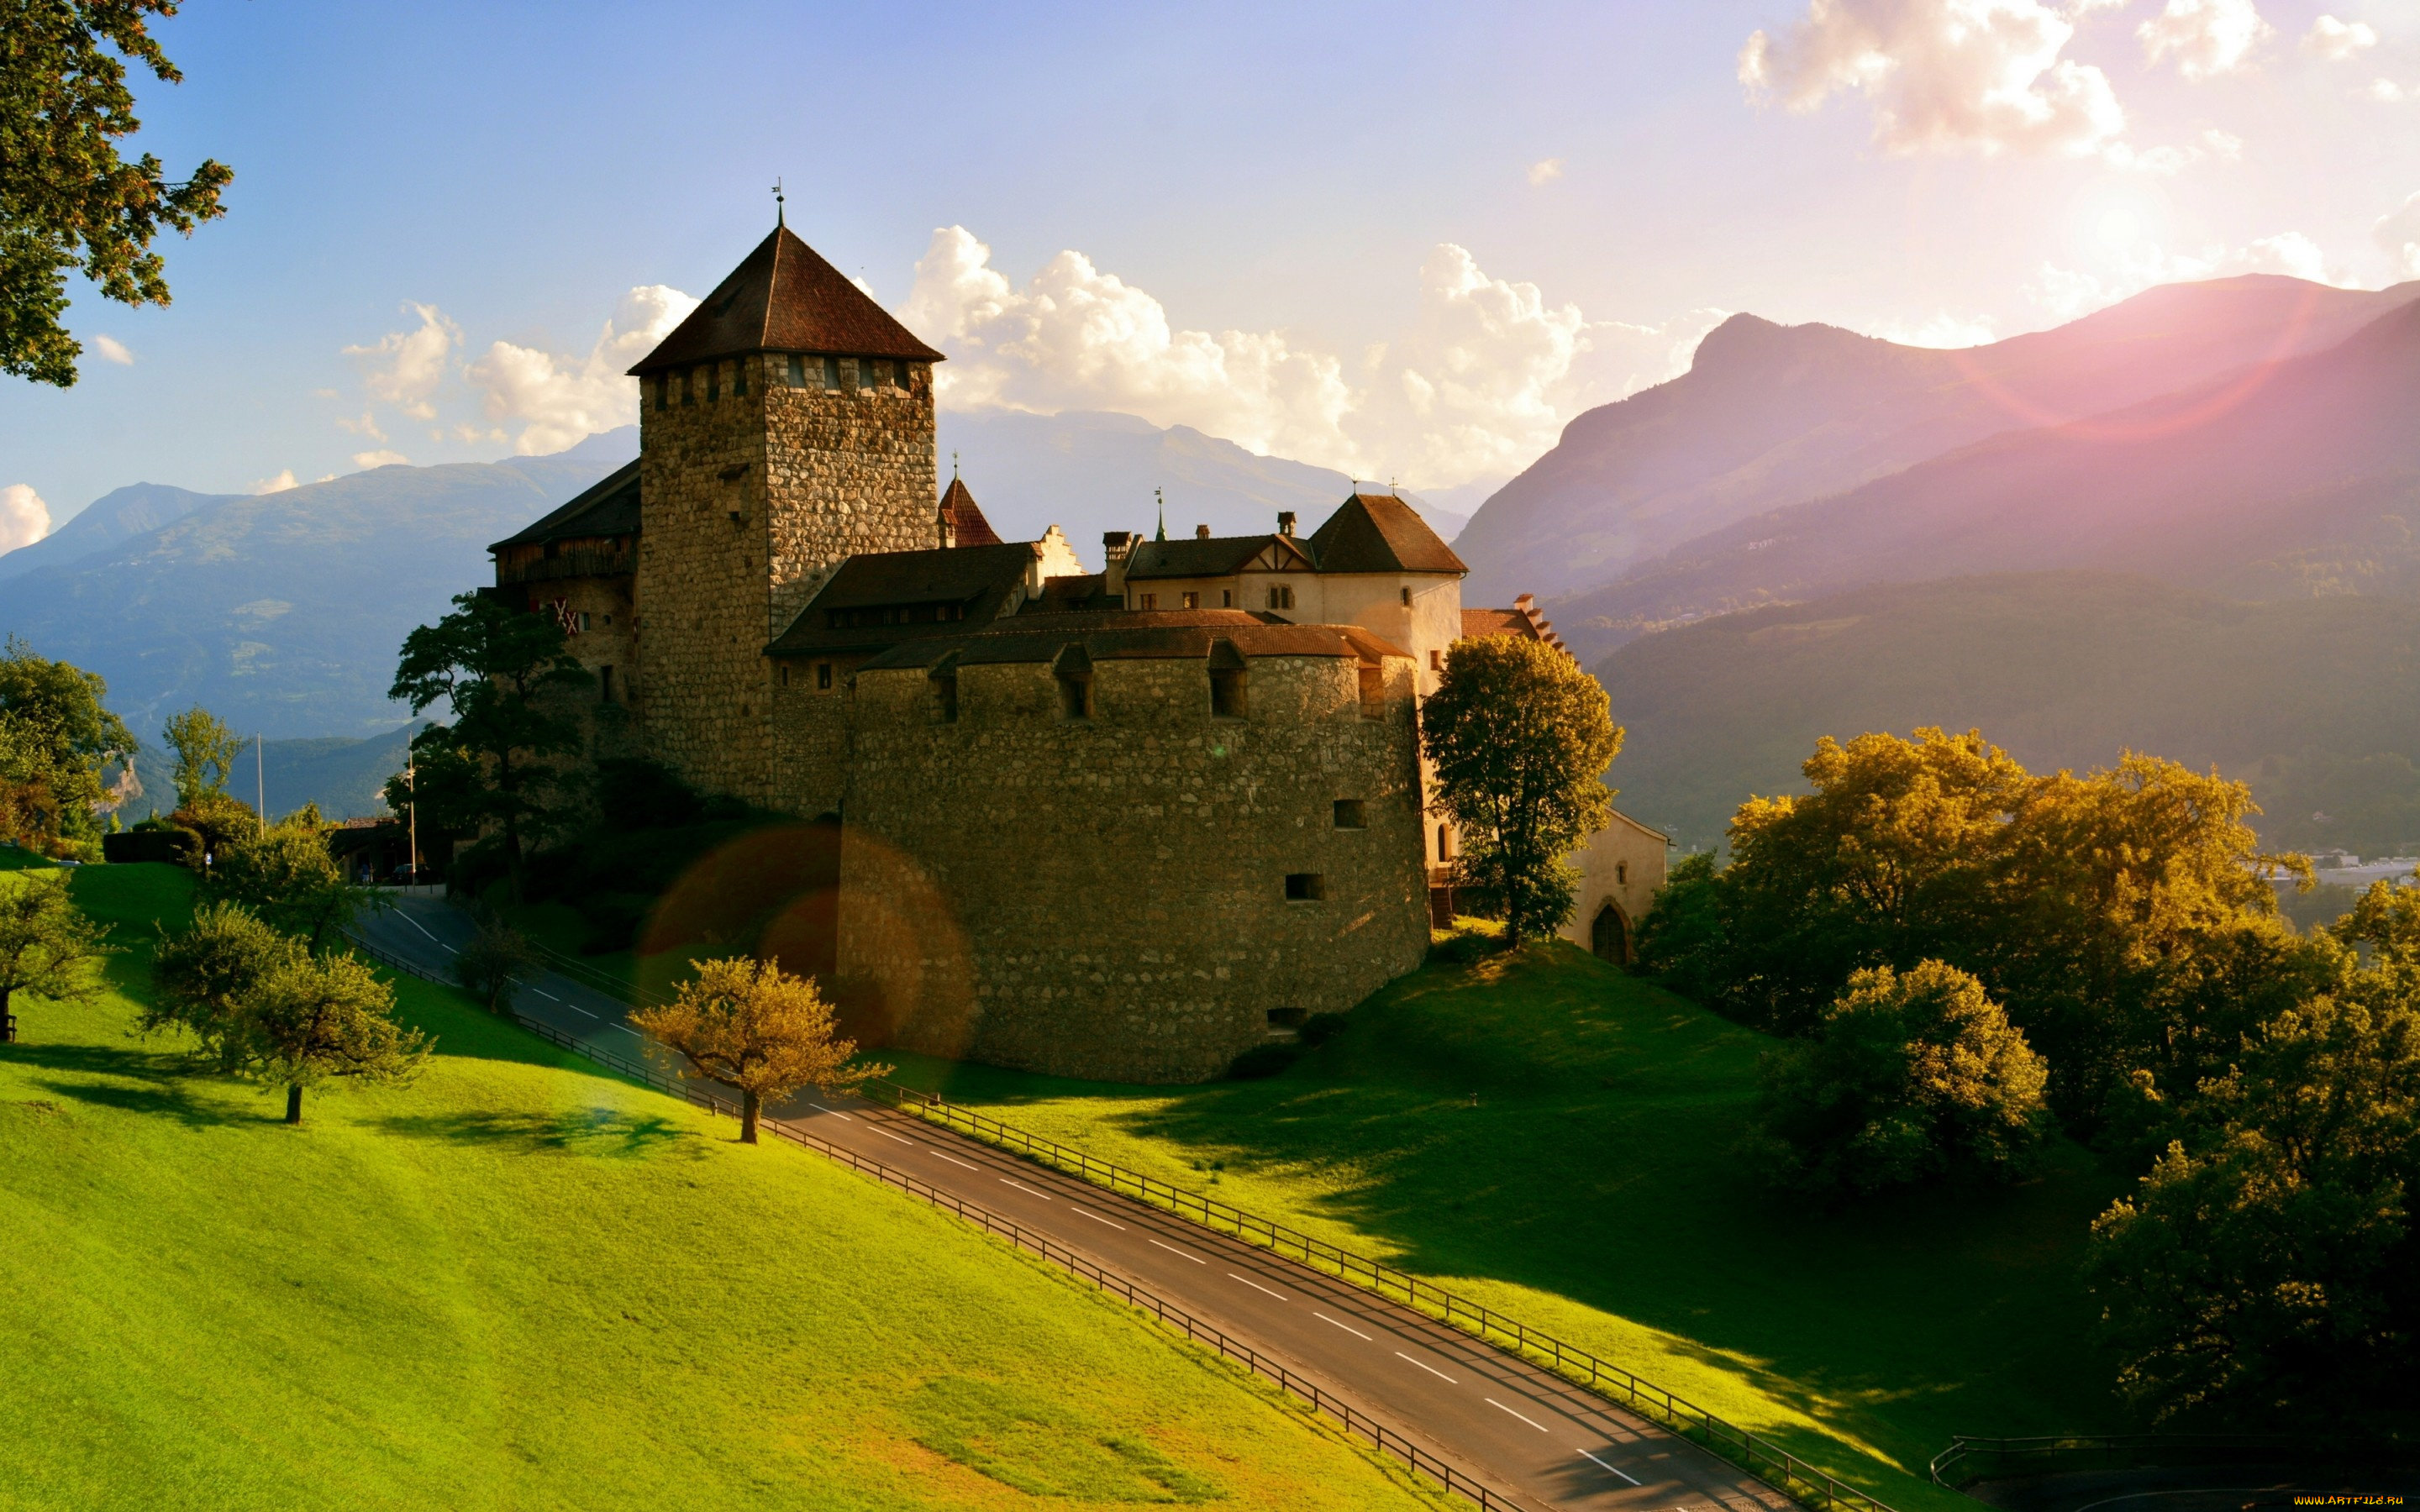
pixel 68 203
pixel 205 753
pixel 287 876
pixel 1521 736
pixel 47 946
pixel 56 737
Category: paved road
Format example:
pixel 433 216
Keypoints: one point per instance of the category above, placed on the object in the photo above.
pixel 1516 1428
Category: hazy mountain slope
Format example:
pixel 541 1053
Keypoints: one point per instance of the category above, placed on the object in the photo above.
pixel 1088 471
pixel 119 514
pixel 282 611
pixel 345 777
pixel 2316 701
pixel 2298 477
pixel 1771 415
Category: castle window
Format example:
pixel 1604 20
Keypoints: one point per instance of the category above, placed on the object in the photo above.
pixel 1192 601
pixel 1444 843
pixel 1074 672
pixel 605 684
pixel 823 677
pixel 1225 682
pixel 1226 598
pixel 1305 886
pixel 713 382
pixel 945 693
pixel 1349 815
pixel 1436 661
pixel 797 371
pixel 1281 596
pixel 1147 601
pixel 1407 598
pixel 831 373
pixel 1374 692
pixel 1621 873
pixel 786 674
pixel 584 622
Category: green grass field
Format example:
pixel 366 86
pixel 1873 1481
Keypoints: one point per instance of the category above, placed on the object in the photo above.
pixel 519 1283
pixel 1589 1190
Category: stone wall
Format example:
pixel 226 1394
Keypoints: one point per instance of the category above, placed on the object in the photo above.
pixel 749 501
pixel 811 736
pixel 1108 897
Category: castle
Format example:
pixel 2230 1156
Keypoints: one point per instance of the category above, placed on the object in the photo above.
pixel 1123 824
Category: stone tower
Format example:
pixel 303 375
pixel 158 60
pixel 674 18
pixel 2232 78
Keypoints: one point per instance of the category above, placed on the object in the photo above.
pixel 785 425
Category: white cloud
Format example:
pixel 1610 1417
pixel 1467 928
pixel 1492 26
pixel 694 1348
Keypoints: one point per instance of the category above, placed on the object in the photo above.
pixel 24 517
pixel 2223 145
pixel 365 460
pixel 2336 40
pixel 1943 330
pixel 279 483
pixel 2386 91
pixel 1482 381
pixel 2207 37
pixel 2398 232
pixel 405 367
pixel 1545 171
pixel 1943 76
pixel 558 400
pixel 112 350
pixel 2068 292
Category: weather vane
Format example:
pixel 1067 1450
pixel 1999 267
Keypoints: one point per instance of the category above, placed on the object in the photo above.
pixel 778 221
pixel 954 464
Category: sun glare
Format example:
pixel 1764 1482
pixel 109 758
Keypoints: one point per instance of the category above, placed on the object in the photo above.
pixel 2120 227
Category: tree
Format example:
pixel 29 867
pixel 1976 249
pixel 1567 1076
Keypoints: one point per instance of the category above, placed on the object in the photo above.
pixel 2266 1271
pixel 206 753
pixel 1914 1076
pixel 47 946
pixel 60 733
pixel 288 879
pixel 496 962
pixel 68 202
pixel 203 975
pixel 503 671
pixel 755 1029
pixel 1521 737
pixel 314 1019
pixel 29 812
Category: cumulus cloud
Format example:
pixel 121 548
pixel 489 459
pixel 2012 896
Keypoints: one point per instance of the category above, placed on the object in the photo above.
pixel 2069 292
pixel 1545 171
pixel 557 399
pixel 2398 232
pixel 2206 37
pixel 114 350
pixel 403 368
pixel 1942 75
pixel 2387 92
pixel 24 517
pixel 278 482
pixel 381 458
pixel 2336 40
pixel 1487 374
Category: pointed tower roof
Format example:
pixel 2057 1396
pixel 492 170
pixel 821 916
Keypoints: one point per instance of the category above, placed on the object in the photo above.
pixel 782 298
pixel 968 526
pixel 1379 533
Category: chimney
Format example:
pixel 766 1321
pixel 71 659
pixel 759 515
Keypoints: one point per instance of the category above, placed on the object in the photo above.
pixel 1116 546
pixel 1285 522
pixel 1202 533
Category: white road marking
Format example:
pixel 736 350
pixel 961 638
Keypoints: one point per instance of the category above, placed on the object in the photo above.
pixel 1027 1190
pixel 1173 1250
pixel 549 997
pixel 1432 1371
pixel 577 1009
pixel 954 1160
pixel 1531 1421
pixel 627 1029
pixel 834 1112
pixel 1097 1218
pixel 887 1134
pixel 1256 1286
pixel 1347 1327
pixel 1602 1465
pixel 423 929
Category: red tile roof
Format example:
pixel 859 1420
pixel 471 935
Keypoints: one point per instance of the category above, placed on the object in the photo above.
pixel 968 526
pixel 782 298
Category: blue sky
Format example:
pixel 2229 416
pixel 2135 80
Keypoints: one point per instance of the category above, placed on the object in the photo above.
pixel 1406 239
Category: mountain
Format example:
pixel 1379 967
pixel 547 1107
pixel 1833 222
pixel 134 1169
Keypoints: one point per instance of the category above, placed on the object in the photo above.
pixel 1770 415
pixel 1090 471
pixel 2296 477
pixel 281 612
pixel 2314 701
pixel 114 516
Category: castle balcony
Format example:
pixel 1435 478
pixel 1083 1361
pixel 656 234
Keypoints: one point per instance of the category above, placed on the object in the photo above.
pixel 569 564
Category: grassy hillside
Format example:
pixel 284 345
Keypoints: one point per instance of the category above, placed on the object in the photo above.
pixel 521 1283
pixel 2316 701
pixel 1553 1137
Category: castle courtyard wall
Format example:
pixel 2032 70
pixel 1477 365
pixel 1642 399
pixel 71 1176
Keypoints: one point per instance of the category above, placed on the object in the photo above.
pixel 1107 897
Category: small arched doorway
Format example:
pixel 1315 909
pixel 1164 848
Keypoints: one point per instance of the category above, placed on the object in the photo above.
pixel 1610 935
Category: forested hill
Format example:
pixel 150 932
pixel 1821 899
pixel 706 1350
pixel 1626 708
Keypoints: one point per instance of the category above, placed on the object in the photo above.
pixel 281 612
pixel 2291 480
pixel 1770 416
pixel 2316 701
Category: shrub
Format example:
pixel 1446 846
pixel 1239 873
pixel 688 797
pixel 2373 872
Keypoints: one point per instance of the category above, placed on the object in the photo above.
pixel 1911 1076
